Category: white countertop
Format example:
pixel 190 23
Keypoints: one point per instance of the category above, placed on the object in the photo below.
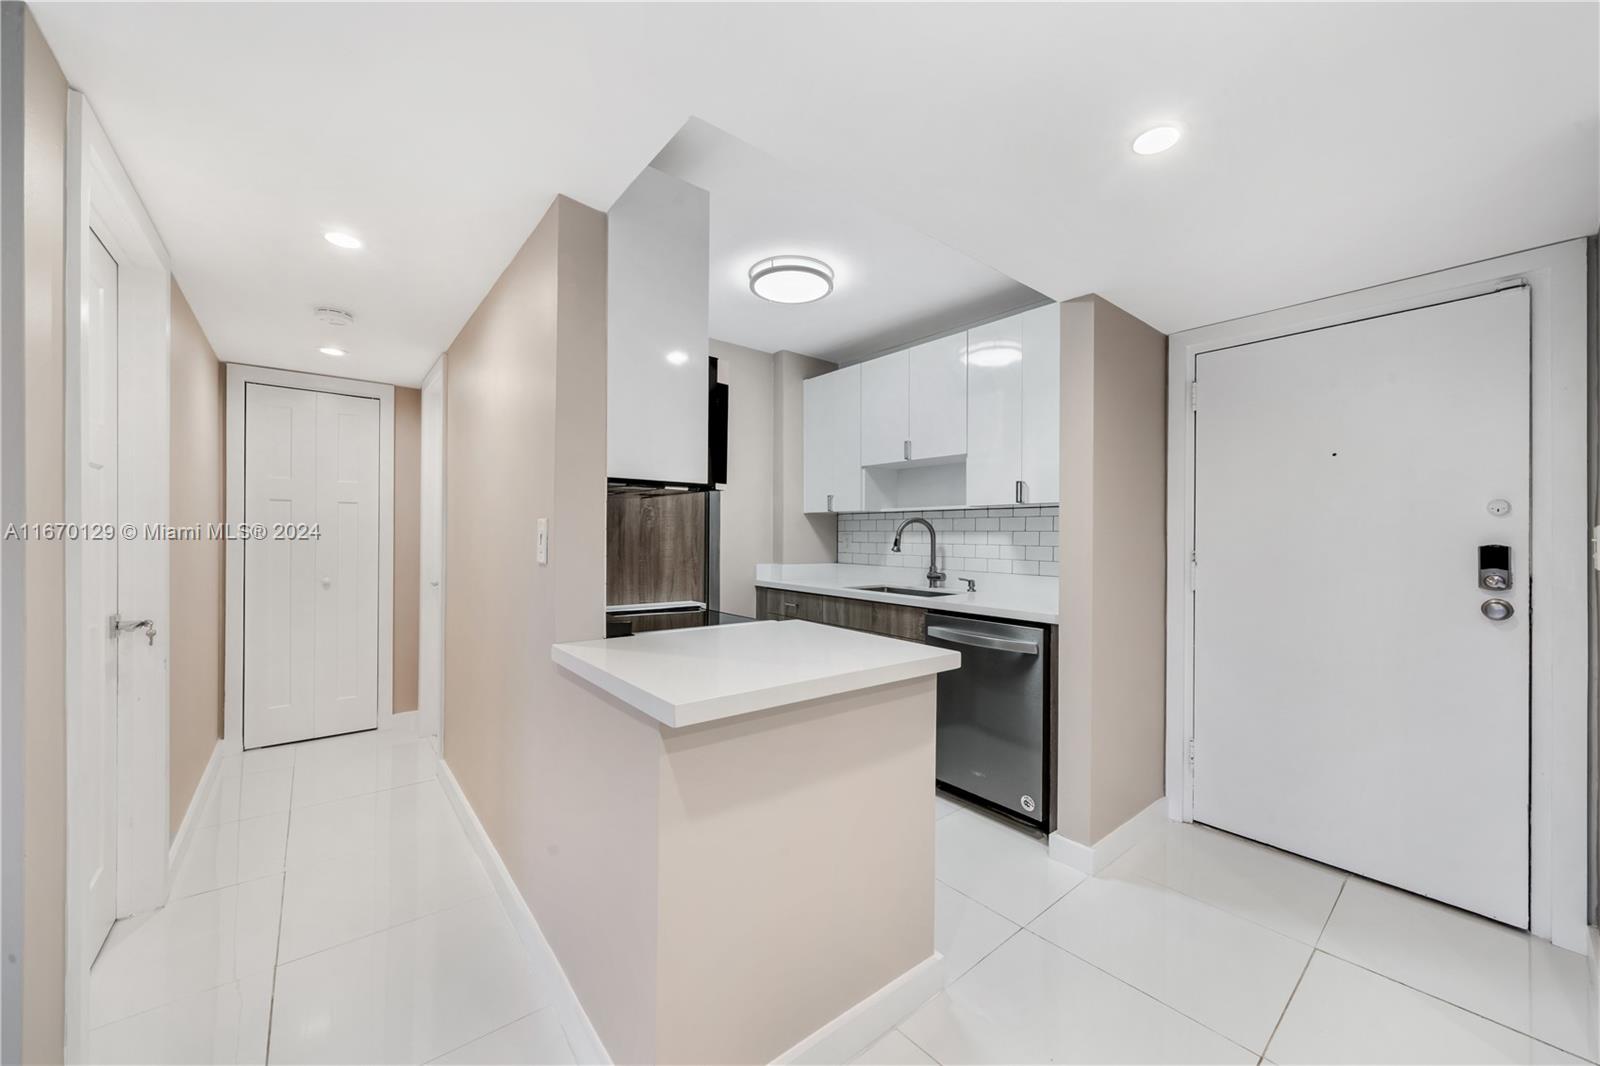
pixel 1017 596
pixel 687 676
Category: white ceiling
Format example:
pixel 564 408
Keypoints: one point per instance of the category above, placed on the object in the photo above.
pixel 892 285
pixel 1328 146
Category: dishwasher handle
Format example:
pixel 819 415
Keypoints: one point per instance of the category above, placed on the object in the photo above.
pixel 982 640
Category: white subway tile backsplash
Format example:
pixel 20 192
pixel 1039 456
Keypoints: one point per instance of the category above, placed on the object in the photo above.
pixel 996 540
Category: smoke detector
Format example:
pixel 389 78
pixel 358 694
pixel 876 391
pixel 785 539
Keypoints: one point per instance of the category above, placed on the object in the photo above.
pixel 332 316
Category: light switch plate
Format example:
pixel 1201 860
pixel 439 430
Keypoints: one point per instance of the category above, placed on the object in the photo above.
pixel 544 541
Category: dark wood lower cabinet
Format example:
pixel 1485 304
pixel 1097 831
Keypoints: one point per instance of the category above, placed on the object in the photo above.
pixel 887 619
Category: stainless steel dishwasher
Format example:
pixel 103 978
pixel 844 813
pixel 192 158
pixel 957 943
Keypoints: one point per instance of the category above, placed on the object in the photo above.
pixel 994 724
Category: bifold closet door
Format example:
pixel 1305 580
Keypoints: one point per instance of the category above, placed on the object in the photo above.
pixel 311 584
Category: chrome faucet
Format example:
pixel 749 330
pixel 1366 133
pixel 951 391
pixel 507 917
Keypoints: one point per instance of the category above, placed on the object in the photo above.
pixel 935 575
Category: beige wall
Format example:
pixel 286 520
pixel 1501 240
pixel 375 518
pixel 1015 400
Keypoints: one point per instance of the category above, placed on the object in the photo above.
pixel 775 920
pixel 797 537
pixel 564 785
pixel 41 225
pixel 199 411
pixel 407 542
pixel 747 501
pixel 1113 568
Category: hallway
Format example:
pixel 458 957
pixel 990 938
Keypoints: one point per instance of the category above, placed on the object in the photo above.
pixel 330 908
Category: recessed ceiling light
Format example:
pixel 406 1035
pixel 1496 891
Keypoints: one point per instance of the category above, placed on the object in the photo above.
pixel 342 240
pixel 791 279
pixel 677 358
pixel 1157 140
pixel 330 350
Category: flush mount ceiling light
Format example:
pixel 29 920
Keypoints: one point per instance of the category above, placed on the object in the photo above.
pixel 1157 140
pixel 330 350
pixel 677 358
pixel 340 239
pixel 791 279
pixel 332 316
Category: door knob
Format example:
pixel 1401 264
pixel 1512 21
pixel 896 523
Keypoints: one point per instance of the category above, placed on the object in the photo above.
pixel 435 584
pixel 1497 610
pixel 118 627
pixel 327 582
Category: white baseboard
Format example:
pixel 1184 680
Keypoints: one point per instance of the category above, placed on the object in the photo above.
pixel 586 1044
pixel 852 1032
pixel 197 802
pixel 1094 858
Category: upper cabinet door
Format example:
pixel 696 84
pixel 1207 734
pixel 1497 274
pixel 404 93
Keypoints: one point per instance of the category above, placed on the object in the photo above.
pixel 885 408
pixel 938 393
pixel 994 412
pixel 831 429
pixel 658 374
pixel 1041 404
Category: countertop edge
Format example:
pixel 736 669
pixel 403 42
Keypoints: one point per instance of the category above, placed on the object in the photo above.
pixel 953 604
pixel 752 701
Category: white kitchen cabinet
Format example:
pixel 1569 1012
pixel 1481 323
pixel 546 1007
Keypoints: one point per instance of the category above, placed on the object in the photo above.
pixel 886 409
pixel 995 403
pixel 658 331
pixel 832 435
pixel 938 398
pixel 1041 404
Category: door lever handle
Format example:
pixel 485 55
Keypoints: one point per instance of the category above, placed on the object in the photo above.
pixel 118 626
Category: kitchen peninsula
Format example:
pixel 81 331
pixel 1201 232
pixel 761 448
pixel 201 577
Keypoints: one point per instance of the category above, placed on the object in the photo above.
pixel 793 828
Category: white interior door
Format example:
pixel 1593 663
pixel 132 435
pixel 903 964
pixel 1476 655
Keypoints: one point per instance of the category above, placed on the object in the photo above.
pixel 430 613
pixel 98 685
pixel 1351 701
pixel 311 602
pixel 347 564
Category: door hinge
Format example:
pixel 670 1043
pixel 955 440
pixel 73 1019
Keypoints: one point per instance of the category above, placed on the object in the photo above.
pixel 1191 754
pixel 1194 396
pixel 1194 570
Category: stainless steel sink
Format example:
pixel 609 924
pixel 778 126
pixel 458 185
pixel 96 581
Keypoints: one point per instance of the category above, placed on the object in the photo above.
pixel 898 591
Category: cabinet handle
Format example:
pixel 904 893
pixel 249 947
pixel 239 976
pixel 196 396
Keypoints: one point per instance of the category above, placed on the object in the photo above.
pixel 830 501
pixel 908 449
pixel 1019 492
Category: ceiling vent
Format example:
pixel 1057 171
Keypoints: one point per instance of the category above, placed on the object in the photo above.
pixel 332 316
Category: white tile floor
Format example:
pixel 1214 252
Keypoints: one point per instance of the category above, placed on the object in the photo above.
pixel 1200 947
pixel 331 910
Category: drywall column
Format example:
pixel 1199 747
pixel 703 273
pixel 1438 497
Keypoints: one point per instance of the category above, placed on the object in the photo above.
pixel 797 537
pixel 33 135
pixel 1113 568
pixel 197 472
pixel 565 786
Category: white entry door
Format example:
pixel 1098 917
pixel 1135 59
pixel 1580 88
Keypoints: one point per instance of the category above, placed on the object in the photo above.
pixel 1352 700
pixel 98 590
pixel 311 602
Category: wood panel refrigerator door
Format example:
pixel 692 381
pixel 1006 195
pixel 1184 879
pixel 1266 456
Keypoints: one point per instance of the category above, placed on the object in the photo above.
pixel 1041 405
pixel 280 486
pixel 346 565
pixel 938 417
pixel 994 412
pixel 1351 701
pixel 885 409
pixel 98 588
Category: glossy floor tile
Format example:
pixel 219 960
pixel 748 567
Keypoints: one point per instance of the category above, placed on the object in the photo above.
pixel 1230 975
pixel 964 930
pixel 1500 973
pixel 1345 1014
pixel 383 941
pixel 1030 1001
pixel 1291 895
pixel 1005 869
pixel 225 1024
pixel 407 994
pixel 893 1049
pixel 535 1040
